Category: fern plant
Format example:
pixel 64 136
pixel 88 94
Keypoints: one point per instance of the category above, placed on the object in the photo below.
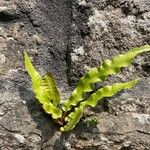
pixel 69 113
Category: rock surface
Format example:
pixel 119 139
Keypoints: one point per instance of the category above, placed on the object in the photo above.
pixel 67 38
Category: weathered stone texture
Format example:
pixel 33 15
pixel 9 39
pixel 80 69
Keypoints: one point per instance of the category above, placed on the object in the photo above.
pixel 106 29
pixel 67 38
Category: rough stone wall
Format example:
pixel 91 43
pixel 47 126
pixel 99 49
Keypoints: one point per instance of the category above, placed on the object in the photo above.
pixel 67 38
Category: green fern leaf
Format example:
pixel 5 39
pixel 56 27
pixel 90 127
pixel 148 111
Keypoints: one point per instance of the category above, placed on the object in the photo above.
pixel 108 91
pixel 53 93
pixel 45 89
pixel 98 74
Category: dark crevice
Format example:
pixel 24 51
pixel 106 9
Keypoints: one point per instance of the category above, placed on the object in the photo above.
pixel 79 31
pixel 146 67
pixel 7 18
pixel 69 45
pixel 68 62
pixel 83 14
pixel 10 131
pixel 126 148
pixel 143 132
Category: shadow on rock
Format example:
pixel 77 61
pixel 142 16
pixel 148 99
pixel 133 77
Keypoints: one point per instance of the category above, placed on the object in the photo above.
pixel 83 132
pixel 43 120
pixel 71 139
pixel 59 144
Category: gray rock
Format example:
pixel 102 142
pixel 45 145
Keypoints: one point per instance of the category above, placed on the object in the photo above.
pixel 106 30
pixel 67 38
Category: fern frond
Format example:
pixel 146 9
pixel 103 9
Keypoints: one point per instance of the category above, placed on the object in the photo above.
pixel 98 74
pixel 108 91
pixel 45 89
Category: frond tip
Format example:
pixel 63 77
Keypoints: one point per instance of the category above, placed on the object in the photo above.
pixel 109 91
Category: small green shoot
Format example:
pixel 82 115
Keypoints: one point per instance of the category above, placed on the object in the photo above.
pixel 92 121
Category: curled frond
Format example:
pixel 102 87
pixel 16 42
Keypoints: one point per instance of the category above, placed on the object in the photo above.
pixel 98 74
